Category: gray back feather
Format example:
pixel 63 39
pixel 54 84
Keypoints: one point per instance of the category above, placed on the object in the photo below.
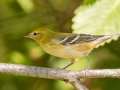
pixel 77 38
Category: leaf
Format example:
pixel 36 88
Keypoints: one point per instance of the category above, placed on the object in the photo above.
pixel 103 17
pixel 27 5
pixel 89 1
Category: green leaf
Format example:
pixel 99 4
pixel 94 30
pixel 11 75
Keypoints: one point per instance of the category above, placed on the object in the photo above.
pixel 103 17
pixel 27 5
pixel 88 1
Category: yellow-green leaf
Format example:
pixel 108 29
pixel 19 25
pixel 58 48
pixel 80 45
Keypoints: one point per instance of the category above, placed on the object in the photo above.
pixel 103 17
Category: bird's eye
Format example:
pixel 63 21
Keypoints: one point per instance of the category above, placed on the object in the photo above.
pixel 34 33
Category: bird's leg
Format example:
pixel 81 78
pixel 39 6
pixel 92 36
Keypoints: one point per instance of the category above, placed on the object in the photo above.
pixel 66 66
pixel 71 62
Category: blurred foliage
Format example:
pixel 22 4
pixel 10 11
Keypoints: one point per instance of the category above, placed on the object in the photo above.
pixel 18 17
pixel 100 18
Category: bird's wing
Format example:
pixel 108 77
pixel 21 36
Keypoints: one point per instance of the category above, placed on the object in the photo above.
pixel 69 39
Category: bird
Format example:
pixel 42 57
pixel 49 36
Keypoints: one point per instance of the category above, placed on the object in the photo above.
pixel 66 45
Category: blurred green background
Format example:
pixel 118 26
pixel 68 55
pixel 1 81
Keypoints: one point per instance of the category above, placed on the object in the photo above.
pixel 18 17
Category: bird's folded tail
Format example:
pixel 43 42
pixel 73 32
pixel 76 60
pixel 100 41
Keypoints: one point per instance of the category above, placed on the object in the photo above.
pixel 106 39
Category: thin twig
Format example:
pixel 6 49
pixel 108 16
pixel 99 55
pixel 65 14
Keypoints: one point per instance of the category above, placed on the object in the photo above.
pixel 59 74
pixel 78 85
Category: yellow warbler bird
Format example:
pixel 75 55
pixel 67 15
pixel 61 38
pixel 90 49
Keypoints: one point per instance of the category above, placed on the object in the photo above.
pixel 66 45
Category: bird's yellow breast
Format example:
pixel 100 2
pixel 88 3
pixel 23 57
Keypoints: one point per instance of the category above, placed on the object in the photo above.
pixel 68 51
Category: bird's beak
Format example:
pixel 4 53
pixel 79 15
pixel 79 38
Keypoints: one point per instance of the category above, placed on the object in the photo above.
pixel 29 36
pixel 26 36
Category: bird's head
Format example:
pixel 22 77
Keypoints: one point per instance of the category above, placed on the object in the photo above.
pixel 39 34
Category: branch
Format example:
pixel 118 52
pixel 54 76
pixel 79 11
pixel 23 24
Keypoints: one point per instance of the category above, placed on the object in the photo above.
pixel 59 74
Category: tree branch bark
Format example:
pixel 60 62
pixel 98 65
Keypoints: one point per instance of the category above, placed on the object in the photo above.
pixel 59 74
